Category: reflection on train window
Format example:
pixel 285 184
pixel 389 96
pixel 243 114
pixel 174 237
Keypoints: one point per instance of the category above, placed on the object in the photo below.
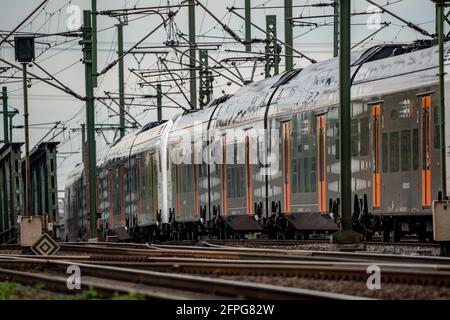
pixel 415 150
pixel 394 151
pixel 437 134
pixel 406 150
pixel 406 108
pixel 385 151
pixel 364 144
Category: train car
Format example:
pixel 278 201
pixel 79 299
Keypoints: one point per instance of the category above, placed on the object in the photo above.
pixel 75 220
pixel 267 159
pixel 129 176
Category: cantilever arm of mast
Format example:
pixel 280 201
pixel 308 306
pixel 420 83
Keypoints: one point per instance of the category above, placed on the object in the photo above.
pixel 163 23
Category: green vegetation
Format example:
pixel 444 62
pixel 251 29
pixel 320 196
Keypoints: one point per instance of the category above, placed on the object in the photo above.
pixel 15 291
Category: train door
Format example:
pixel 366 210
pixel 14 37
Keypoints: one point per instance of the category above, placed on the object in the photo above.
pixel 321 136
pixel 122 193
pixel 426 150
pixel 286 164
pixel 177 191
pixel 152 184
pixel 110 198
pixel 376 160
pixel 138 191
pixel 98 188
pixel 195 174
pixel 248 175
pixel 223 177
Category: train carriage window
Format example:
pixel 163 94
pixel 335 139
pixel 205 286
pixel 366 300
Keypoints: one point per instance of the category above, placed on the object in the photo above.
pixel 301 188
pixel 415 151
pixel 406 150
pixel 306 167
pixel 138 189
pixel 242 182
pixel 338 141
pixel 313 174
pixel 189 178
pixel 229 182
pixel 294 176
pixel 385 155
pixel 355 137
pixel 121 189
pixel 364 144
pixel 110 196
pixel 394 151
pixel 185 178
pixel 236 181
pixel 181 178
pixel 437 133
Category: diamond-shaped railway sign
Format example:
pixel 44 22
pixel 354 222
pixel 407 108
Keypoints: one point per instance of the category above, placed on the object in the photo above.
pixel 45 246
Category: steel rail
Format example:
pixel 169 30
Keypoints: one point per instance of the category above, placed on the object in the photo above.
pixel 58 283
pixel 234 253
pixel 212 286
pixel 392 273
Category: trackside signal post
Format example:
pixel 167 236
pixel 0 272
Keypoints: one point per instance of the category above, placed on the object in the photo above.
pixel 346 234
pixel 24 52
pixel 90 121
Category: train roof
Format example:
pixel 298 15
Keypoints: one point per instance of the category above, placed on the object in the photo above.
pixel 147 139
pixel 315 86
pixel 75 174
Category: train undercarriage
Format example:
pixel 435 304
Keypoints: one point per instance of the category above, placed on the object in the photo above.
pixel 278 225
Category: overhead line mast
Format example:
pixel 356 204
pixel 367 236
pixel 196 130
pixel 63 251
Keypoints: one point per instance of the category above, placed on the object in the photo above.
pixel 192 56
pixel 90 121
pixel 345 105
pixel 442 18
pixel 288 34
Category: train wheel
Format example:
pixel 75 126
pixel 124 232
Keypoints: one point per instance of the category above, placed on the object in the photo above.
pixel 385 232
pixel 422 232
pixel 397 230
pixel 195 232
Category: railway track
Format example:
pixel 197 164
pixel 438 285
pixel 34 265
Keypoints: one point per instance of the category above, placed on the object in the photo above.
pixel 209 250
pixel 244 253
pixel 233 242
pixel 289 243
pixel 267 253
pixel 427 274
pixel 150 284
pixel 221 261
pixel 224 260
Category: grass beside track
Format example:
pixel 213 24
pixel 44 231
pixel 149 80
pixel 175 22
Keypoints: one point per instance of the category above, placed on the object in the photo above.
pixel 16 291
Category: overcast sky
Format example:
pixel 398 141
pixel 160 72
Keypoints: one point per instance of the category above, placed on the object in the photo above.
pixel 61 56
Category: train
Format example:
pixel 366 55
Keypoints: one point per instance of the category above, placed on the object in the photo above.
pixel 266 160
